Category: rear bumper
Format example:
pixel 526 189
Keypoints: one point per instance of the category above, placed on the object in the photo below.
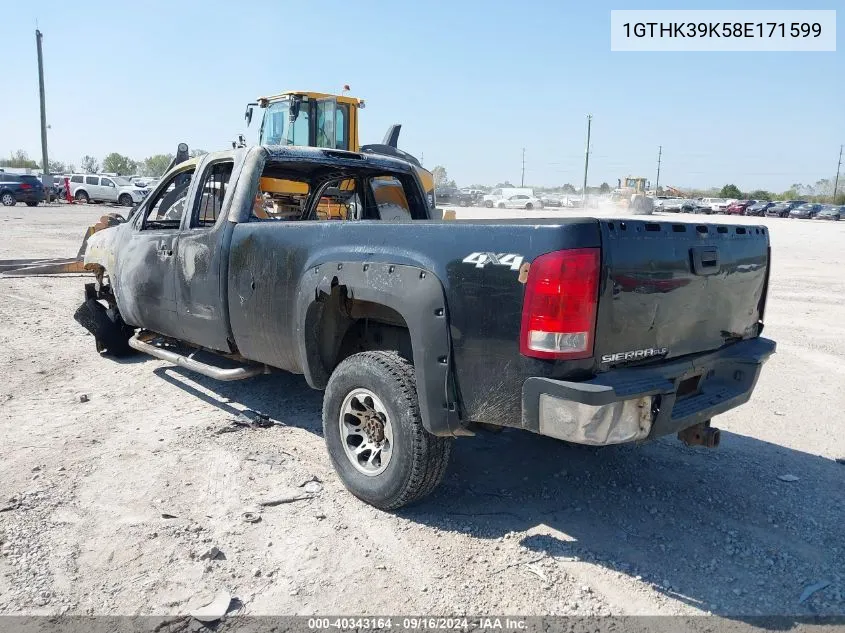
pixel 627 405
pixel 32 195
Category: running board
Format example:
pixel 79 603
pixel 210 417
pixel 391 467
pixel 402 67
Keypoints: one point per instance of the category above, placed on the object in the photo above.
pixel 188 362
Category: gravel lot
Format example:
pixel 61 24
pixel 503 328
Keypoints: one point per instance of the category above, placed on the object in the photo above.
pixel 522 524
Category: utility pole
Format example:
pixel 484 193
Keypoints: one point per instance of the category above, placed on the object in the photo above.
pixel 587 158
pixel 836 182
pixel 522 182
pixel 45 165
pixel 657 182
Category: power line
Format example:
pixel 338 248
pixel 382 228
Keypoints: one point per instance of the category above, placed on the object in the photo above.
pixel 836 182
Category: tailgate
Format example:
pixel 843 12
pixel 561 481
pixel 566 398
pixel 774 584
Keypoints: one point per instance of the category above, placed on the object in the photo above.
pixel 671 289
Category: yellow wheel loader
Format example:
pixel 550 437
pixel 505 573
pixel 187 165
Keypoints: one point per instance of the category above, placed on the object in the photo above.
pixel 318 119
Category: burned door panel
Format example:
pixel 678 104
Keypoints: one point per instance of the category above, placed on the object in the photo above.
pixel 147 295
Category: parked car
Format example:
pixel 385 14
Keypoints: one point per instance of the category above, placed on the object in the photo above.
pixel 782 209
pixel 670 205
pixel 551 201
pixel 695 206
pixel 497 195
pixel 717 205
pixel 16 188
pixel 760 208
pixel 520 201
pixel 145 182
pixel 739 207
pixel 367 310
pixel 96 188
pixel 831 212
pixel 806 211
pixel 448 195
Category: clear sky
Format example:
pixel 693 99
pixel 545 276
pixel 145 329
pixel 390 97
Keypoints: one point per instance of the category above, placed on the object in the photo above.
pixel 472 82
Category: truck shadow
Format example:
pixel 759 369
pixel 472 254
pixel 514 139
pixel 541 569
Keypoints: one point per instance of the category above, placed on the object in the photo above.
pixel 715 529
pixel 284 397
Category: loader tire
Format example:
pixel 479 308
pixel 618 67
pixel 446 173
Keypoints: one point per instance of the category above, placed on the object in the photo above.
pixel 374 433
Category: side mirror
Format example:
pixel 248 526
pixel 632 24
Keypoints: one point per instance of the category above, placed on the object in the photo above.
pixel 293 114
pixel 248 115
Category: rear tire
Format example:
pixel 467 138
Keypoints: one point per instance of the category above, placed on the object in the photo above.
pixel 488 204
pixel 81 196
pixel 501 205
pixel 417 460
pixel 529 206
pixel 32 204
pixel 125 200
pixel 8 199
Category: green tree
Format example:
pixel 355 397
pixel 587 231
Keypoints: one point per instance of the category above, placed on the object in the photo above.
pixel 506 184
pixel 441 178
pixel 568 188
pixel 119 164
pixel 195 153
pixel 761 194
pixel 155 166
pixel 604 188
pixel 730 191
pixel 56 167
pixel 90 165
pixel 19 159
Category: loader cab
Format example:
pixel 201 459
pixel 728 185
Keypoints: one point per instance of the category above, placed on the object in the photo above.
pixel 317 119
pixel 309 119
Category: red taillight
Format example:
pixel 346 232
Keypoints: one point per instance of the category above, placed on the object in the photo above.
pixel 25 186
pixel 559 312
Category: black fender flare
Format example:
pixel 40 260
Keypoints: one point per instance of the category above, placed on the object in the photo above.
pixel 417 295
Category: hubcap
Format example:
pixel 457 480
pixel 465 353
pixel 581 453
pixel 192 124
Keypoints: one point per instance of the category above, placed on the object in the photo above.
pixel 366 432
pixel 7 199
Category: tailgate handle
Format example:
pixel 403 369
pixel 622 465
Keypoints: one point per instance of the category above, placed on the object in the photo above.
pixel 705 260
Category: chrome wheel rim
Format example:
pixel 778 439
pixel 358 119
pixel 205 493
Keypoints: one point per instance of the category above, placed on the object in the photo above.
pixel 7 199
pixel 366 432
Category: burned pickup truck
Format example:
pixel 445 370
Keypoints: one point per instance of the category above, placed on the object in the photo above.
pixel 326 263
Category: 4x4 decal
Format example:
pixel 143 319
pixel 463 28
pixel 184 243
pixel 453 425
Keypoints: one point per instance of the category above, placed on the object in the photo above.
pixel 512 260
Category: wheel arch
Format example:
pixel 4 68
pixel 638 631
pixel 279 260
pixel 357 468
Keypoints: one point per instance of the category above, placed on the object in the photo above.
pixel 335 295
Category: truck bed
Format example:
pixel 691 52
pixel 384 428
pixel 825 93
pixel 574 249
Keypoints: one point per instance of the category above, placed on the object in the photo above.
pixel 667 290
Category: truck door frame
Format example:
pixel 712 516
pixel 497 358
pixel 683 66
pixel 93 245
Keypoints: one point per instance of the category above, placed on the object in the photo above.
pixel 201 262
pixel 146 274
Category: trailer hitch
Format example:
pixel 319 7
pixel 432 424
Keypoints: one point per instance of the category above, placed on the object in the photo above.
pixel 701 434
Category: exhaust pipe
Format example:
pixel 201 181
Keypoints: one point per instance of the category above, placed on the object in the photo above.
pixel 701 434
pixel 218 373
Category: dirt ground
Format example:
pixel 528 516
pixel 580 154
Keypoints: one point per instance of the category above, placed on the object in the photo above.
pixel 521 525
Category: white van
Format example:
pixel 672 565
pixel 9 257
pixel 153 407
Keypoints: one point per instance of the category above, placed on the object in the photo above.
pixel 492 198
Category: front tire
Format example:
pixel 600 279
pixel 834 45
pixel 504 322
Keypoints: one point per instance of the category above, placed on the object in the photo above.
pixel 125 200
pixel 488 204
pixel 529 206
pixel 82 197
pixel 374 433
